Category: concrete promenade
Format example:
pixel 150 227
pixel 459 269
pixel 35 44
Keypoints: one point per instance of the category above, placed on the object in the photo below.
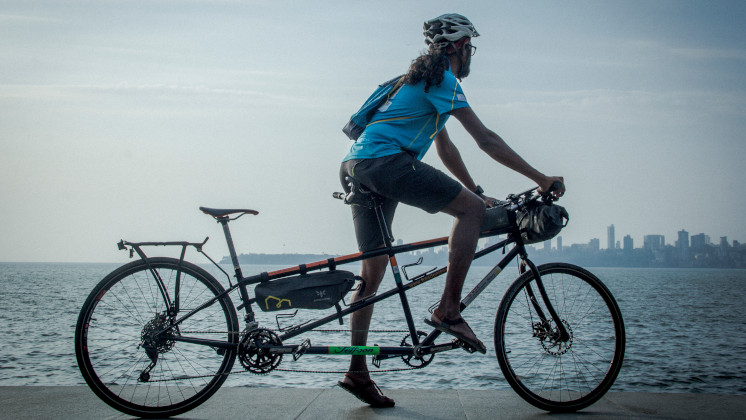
pixel 78 402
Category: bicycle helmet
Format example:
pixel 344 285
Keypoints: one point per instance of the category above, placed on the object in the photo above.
pixel 444 29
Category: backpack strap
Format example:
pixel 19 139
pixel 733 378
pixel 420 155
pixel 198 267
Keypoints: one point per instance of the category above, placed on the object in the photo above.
pixel 396 88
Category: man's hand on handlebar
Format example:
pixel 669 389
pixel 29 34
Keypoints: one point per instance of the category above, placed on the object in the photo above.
pixel 488 201
pixel 554 185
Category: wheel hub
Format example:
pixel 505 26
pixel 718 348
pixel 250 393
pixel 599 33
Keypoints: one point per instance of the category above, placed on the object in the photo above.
pixel 151 339
pixel 549 337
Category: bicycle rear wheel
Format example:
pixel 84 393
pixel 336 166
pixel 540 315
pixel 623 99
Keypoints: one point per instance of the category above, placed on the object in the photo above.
pixel 132 367
pixel 551 374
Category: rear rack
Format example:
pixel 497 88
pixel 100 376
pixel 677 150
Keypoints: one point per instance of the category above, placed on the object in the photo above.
pixel 136 247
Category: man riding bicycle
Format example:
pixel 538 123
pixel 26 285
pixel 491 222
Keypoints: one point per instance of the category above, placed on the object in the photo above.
pixel 386 159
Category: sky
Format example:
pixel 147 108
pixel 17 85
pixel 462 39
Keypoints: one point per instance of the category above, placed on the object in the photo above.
pixel 118 119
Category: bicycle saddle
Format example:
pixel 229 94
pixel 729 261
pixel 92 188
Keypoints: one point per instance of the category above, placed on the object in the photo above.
pixel 225 212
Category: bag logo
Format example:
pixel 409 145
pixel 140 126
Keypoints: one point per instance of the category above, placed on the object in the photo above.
pixel 278 305
pixel 321 295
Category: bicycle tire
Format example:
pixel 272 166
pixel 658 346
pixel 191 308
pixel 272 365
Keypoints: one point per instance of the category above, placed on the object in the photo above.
pixel 550 374
pixel 123 308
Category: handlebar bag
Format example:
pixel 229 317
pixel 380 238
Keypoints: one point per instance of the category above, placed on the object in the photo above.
pixel 306 291
pixel 540 221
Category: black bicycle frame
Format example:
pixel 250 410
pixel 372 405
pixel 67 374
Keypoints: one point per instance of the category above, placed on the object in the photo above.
pixel 423 347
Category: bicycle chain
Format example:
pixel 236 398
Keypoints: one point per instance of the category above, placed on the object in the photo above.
pixel 236 372
pixel 233 333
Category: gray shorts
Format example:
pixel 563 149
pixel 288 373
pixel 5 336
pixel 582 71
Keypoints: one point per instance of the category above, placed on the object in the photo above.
pixel 398 178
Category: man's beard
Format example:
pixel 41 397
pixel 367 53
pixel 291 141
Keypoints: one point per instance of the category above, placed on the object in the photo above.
pixel 465 68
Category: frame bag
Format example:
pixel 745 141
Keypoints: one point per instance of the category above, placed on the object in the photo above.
pixel 539 222
pixel 306 291
pixel 378 100
pixel 495 218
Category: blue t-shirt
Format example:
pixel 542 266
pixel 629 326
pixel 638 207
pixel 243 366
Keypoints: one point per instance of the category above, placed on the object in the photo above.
pixel 410 120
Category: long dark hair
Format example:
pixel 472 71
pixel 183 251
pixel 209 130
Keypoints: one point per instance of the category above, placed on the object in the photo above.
pixel 430 66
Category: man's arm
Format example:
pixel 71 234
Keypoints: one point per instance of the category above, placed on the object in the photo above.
pixel 451 158
pixel 496 148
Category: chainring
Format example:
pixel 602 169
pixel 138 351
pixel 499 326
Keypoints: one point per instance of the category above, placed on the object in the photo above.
pixel 415 361
pixel 253 354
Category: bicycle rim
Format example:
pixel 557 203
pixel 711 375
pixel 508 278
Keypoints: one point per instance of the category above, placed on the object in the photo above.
pixel 548 373
pixel 127 306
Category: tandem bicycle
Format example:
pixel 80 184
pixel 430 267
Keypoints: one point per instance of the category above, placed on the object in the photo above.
pixel 158 336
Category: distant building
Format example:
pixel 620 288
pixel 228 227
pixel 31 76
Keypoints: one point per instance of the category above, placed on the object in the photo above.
pixel 628 245
pixel 654 242
pixel 699 242
pixel 559 243
pixel 723 249
pixel 594 244
pixel 548 245
pixel 610 237
pixel 682 245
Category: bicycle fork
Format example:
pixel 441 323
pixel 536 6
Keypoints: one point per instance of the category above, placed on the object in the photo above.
pixel 564 335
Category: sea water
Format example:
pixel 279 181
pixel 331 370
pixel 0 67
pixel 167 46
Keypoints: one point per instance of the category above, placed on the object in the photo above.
pixel 686 330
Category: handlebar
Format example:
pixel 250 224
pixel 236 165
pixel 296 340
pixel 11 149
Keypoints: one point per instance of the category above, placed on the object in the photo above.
pixel 547 196
pixel 515 201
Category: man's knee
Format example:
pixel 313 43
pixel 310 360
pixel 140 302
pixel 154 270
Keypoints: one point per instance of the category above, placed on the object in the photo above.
pixel 467 205
pixel 477 207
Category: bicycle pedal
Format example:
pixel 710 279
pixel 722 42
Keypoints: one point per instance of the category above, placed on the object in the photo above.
pixel 301 349
pixel 464 345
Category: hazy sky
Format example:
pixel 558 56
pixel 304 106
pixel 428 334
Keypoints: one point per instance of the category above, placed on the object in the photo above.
pixel 118 119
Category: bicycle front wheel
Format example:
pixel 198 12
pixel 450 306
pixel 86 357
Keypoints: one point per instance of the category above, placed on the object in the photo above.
pixel 551 374
pixel 127 360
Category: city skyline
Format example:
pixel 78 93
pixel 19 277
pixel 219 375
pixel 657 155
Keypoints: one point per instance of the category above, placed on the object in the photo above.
pixel 655 240
pixel 686 251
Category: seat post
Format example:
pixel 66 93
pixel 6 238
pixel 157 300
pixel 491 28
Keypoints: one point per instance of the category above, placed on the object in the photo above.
pixel 378 208
pixel 223 220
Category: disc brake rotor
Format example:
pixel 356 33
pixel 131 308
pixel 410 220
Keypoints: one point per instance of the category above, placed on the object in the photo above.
pixel 549 338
